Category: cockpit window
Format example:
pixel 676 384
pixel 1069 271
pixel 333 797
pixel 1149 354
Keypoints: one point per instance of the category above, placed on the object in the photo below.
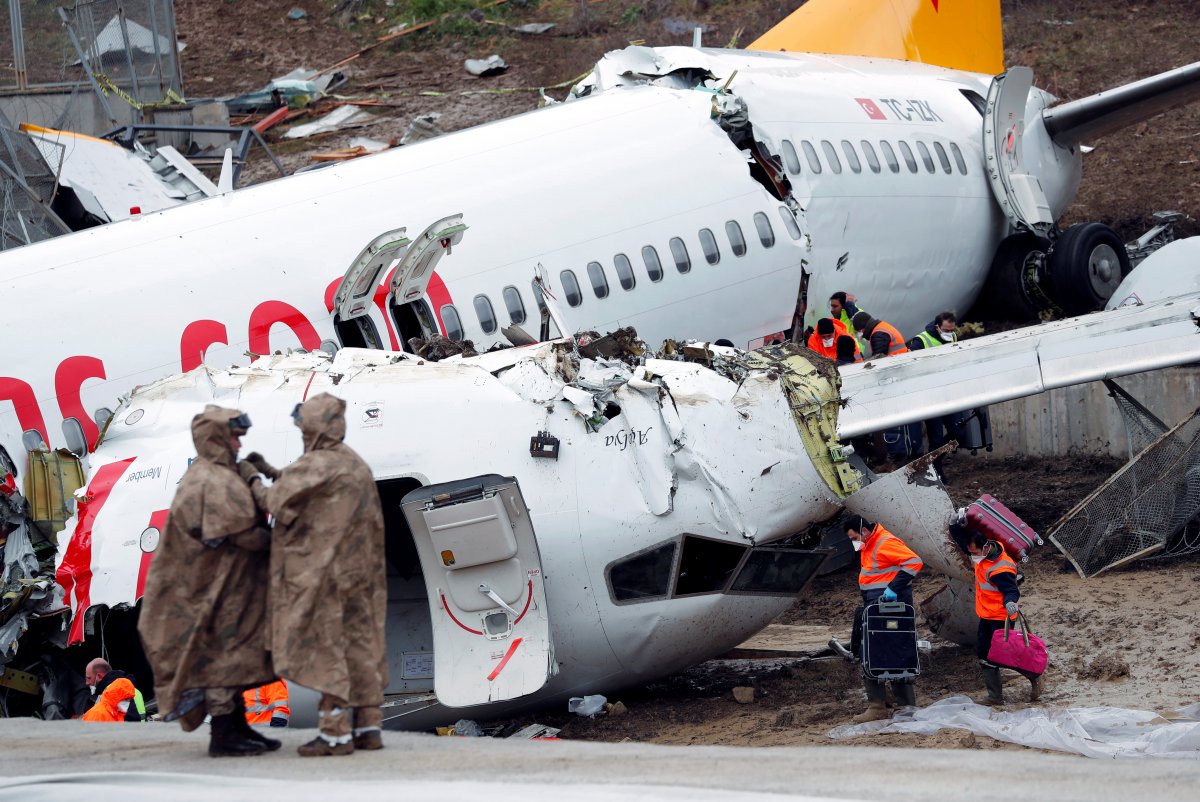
pixel 643 576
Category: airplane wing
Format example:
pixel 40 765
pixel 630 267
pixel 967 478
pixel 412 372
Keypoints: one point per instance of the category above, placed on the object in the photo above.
pixel 888 392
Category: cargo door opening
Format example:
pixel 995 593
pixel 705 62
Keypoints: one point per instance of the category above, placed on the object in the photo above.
pixel 409 630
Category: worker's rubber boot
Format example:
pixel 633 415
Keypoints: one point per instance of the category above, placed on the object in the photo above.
pixel 368 728
pixel 995 688
pixel 227 740
pixel 248 732
pixel 905 693
pixel 1035 686
pixel 876 702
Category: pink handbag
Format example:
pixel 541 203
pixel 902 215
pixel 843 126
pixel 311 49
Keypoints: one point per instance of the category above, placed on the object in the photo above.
pixel 1018 649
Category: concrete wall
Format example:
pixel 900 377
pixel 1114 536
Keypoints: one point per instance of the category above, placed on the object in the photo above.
pixel 1083 419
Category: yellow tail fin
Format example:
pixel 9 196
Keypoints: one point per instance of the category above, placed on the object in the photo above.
pixel 960 34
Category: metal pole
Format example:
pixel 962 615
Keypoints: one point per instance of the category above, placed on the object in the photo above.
pixel 137 92
pixel 162 91
pixel 87 68
pixel 18 40
pixel 169 13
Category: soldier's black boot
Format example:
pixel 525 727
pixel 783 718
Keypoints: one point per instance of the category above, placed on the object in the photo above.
pixel 228 741
pixel 248 731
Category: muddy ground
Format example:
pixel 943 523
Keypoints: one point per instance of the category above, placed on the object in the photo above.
pixel 1126 638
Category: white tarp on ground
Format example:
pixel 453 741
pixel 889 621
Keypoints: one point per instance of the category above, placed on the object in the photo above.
pixel 1088 731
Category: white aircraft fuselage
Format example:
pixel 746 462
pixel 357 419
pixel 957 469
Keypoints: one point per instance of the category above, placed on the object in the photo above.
pixel 625 170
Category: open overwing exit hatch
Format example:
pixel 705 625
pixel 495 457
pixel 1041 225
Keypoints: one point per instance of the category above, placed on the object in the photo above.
pixel 1018 192
pixel 487 598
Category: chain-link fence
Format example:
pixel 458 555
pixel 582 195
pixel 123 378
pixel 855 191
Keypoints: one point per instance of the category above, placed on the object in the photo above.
pixel 1145 508
pixel 27 188
pixel 116 48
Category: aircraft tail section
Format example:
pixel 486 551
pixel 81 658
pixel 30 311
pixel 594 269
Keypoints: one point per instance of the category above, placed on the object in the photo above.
pixel 959 34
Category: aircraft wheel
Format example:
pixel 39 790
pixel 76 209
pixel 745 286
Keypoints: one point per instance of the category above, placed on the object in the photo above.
pixel 1011 291
pixel 1086 267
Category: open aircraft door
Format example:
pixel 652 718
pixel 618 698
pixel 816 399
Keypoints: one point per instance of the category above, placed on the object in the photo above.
pixel 356 294
pixel 415 269
pixel 487 598
pixel 1020 193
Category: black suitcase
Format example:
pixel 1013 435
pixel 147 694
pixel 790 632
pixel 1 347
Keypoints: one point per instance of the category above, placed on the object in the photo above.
pixel 889 644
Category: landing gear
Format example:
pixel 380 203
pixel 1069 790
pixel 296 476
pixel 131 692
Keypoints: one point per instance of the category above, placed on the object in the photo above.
pixel 1086 267
pixel 1013 290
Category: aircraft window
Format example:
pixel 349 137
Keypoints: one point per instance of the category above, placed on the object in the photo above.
pixel 925 157
pixel 810 153
pixel 831 156
pixel 485 313
pixel 571 288
pixel 790 159
pixel 653 265
pixel 958 157
pixel 766 235
pixel 943 159
pixel 770 571
pixel 869 153
pixel 454 329
pixel 890 155
pixel 708 243
pixel 516 307
pixel 683 262
pixel 706 566
pixel 599 280
pixel 537 296
pixel 789 222
pixel 851 156
pixel 908 156
pixel 643 576
pixel 737 242
pixel 624 271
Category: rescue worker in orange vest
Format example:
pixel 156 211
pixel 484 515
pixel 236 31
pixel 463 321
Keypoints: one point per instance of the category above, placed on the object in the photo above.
pixel 113 702
pixel 887 572
pixel 824 339
pixel 996 599
pixel 885 339
pixel 268 704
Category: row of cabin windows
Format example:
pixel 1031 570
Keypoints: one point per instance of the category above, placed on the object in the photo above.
pixel 626 277
pixel 791 158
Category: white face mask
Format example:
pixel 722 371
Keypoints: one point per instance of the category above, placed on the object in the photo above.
pixel 977 558
pixel 123 706
pixel 947 336
pixel 827 341
pixel 857 544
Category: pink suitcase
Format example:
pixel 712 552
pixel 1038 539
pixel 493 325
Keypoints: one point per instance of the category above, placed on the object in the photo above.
pixel 997 522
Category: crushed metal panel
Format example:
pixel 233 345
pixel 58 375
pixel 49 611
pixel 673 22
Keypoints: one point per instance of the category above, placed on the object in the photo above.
pixel 812 390
pixel 949 612
pixel 912 504
pixel 1139 508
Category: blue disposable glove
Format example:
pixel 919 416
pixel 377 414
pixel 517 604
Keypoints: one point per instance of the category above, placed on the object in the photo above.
pixel 889 595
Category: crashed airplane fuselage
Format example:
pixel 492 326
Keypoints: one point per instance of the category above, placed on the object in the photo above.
pixel 648 540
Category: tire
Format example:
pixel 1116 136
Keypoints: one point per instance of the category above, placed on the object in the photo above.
pixel 1010 292
pixel 1086 267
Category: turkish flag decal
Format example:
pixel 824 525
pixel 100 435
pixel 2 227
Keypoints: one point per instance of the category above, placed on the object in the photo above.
pixel 873 111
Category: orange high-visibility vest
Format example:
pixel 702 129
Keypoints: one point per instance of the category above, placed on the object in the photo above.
pixel 267 702
pixel 108 706
pixel 989 601
pixel 897 345
pixel 883 557
pixel 839 328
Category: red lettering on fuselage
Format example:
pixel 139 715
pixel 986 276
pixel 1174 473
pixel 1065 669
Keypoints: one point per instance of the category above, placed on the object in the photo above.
pixel 195 340
pixel 267 314
pixel 72 372
pixel 29 414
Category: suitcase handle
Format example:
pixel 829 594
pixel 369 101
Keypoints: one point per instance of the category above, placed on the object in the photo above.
pixel 892 607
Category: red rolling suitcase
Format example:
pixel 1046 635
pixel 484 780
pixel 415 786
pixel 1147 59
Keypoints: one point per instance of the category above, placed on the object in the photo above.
pixel 997 522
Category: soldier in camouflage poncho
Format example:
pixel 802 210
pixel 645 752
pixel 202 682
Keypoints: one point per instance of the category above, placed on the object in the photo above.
pixel 204 613
pixel 328 580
